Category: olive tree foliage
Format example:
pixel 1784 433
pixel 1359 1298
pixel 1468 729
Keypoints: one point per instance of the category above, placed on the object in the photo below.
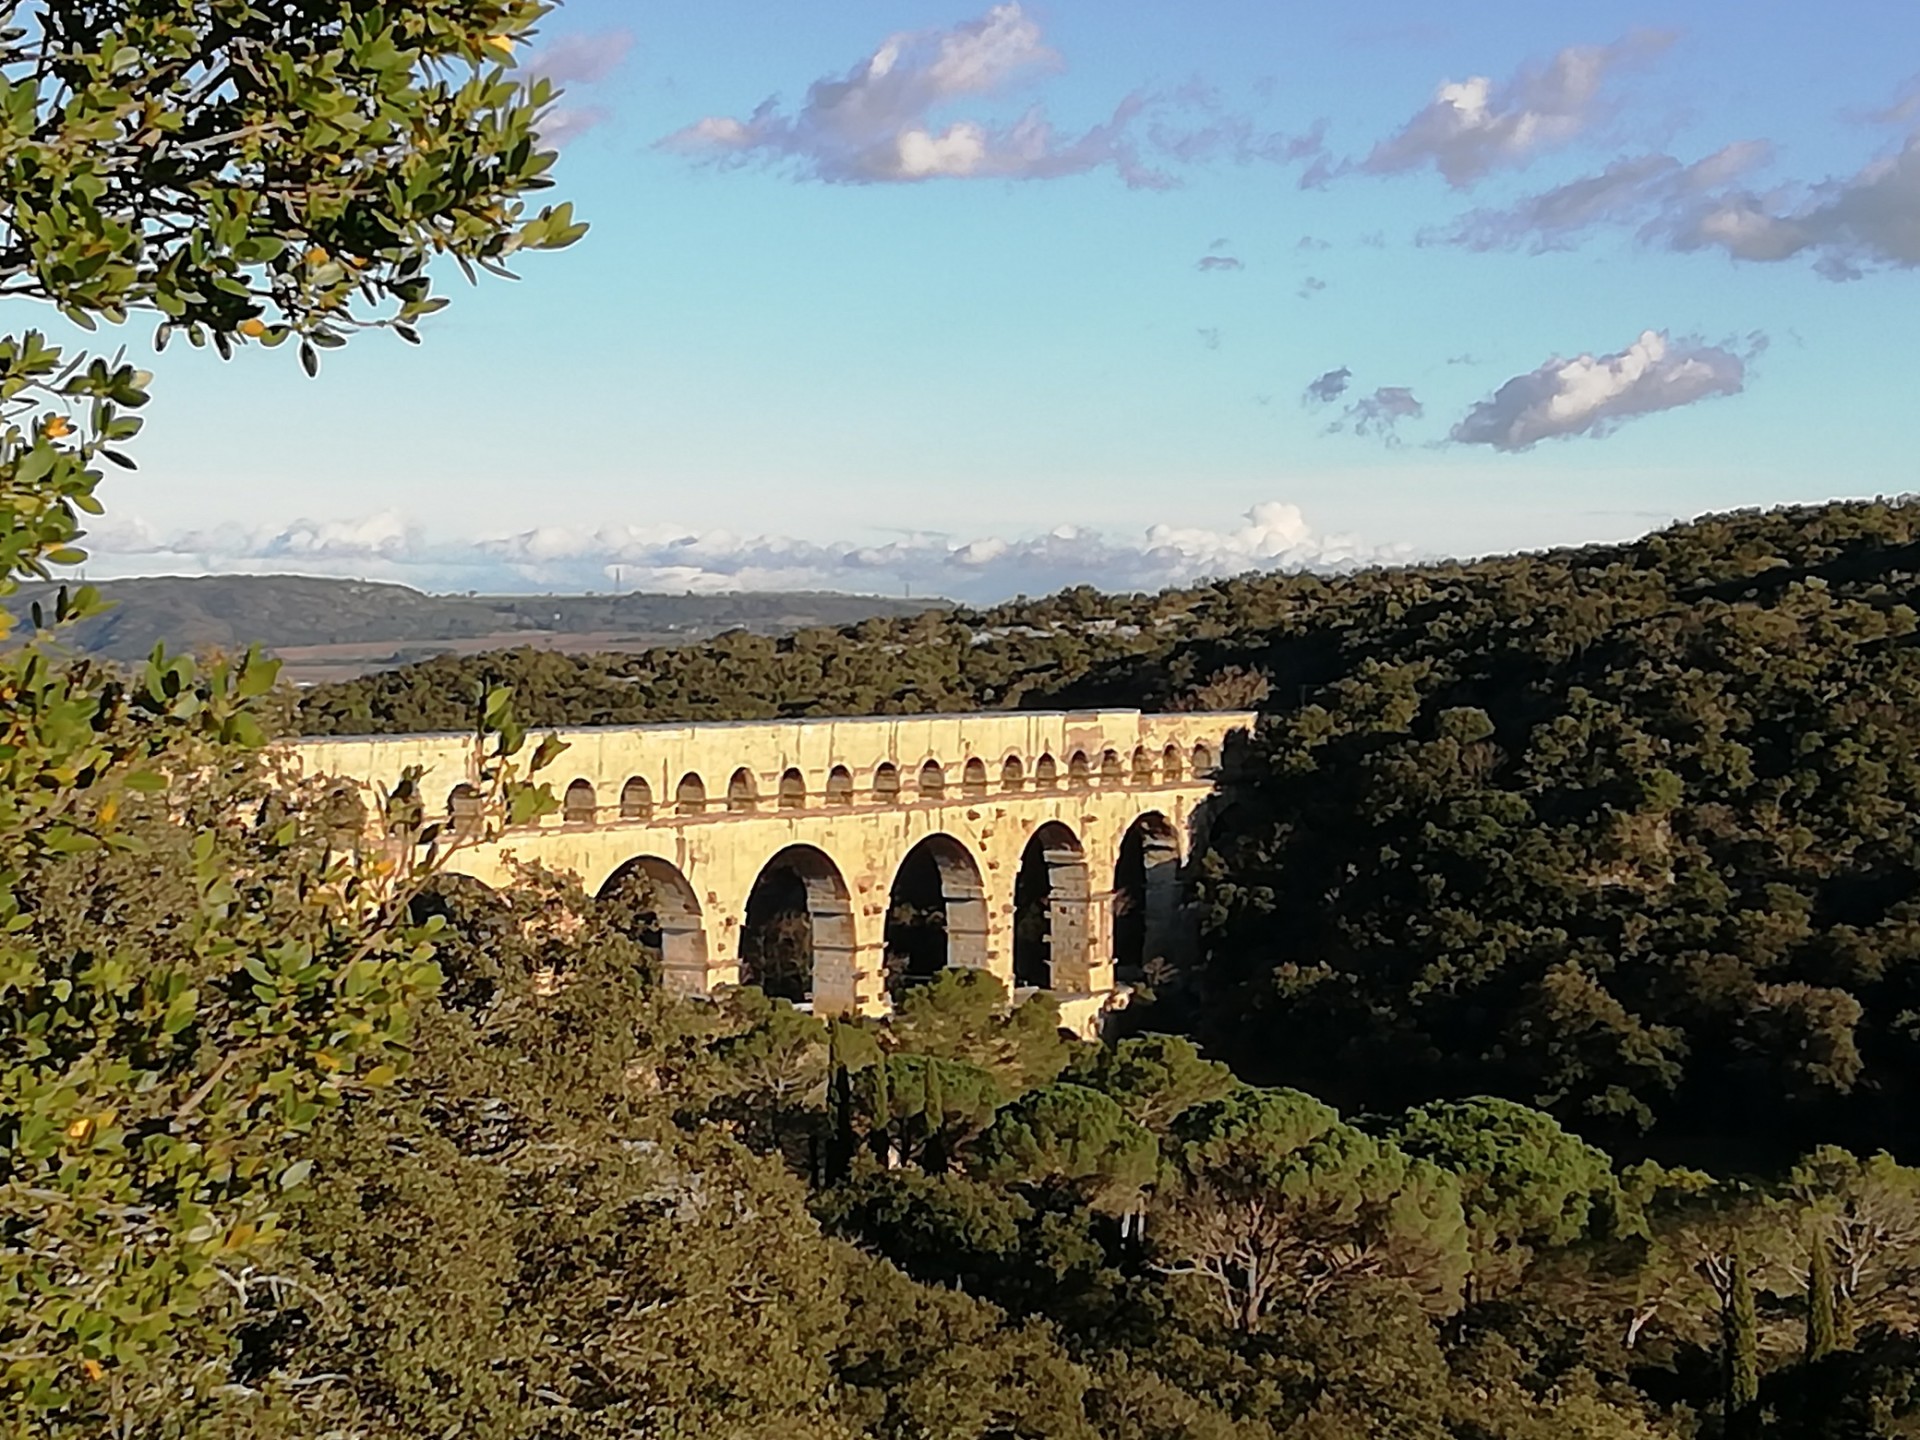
pixel 190 965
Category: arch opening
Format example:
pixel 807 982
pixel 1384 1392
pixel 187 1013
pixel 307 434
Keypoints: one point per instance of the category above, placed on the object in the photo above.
pixel 936 914
pixel 840 786
pixel 797 940
pixel 793 791
pixel 932 784
pixel 742 797
pixel 1079 772
pixel 655 902
pixel 1050 900
pixel 973 780
pixel 464 815
pixel 1142 766
pixel 1148 922
pixel 886 784
pixel 1046 773
pixel 690 797
pixel 636 800
pixel 1110 771
pixel 580 805
pixel 1013 774
pixel 1172 764
pixel 1203 761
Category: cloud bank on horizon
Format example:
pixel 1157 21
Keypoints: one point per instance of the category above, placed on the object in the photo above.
pixel 1273 536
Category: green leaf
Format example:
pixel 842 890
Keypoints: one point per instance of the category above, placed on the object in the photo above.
pixel 550 749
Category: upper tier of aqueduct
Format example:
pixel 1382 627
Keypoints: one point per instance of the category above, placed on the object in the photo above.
pixel 1050 841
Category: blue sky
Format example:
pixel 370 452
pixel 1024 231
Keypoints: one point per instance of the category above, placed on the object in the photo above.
pixel 1028 295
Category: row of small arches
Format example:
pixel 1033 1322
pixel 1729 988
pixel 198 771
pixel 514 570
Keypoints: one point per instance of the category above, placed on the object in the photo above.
pixel 581 804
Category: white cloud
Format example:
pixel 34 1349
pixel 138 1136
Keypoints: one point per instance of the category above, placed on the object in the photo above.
pixel 576 62
pixel 879 123
pixel 1637 190
pixel 1473 126
pixel 1871 218
pixel 582 59
pixel 1845 225
pixel 1592 395
pixel 1273 536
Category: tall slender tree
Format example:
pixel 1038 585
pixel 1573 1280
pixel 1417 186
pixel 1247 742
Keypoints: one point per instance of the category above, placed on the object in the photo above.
pixel 1740 1348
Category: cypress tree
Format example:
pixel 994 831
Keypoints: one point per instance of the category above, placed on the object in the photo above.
pixel 1823 1322
pixel 1741 1350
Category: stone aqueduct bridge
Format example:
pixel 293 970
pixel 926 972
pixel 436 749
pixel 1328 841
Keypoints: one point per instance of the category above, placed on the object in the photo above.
pixel 1051 841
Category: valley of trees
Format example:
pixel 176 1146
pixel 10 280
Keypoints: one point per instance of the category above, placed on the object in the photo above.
pixel 1546 1070
pixel 1602 858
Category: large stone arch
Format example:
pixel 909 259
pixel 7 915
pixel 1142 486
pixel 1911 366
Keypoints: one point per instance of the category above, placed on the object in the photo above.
pixel 797 937
pixel 1051 897
pixel 1148 921
pixel 667 910
pixel 936 913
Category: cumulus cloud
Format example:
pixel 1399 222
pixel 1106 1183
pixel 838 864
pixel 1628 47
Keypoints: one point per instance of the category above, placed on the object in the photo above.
pixel 1867 220
pixel 1272 536
pixel 877 123
pixel 1474 126
pixel 1329 387
pixel 1210 263
pixel 575 63
pixel 1846 225
pixel 1593 395
pixel 381 538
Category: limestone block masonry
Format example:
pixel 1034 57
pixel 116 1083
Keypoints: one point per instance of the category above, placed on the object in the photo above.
pixel 702 812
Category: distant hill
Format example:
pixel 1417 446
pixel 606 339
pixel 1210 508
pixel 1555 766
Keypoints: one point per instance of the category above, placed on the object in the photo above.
pixel 337 629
